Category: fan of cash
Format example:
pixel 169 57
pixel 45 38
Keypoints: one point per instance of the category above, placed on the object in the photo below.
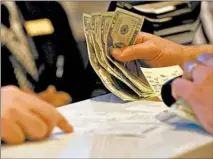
pixel 118 29
pixel 128 81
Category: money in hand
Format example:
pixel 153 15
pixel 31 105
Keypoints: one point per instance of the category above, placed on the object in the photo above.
pixel 127 81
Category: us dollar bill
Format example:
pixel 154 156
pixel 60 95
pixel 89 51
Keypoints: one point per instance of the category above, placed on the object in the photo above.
pixel 109 66
pixel 183 110
pixel 101 57
pixel 109 82
pixel 122 32
pixel 119 29
pixel 96 37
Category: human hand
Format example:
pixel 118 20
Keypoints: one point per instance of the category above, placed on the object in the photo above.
pixel 53 97
pixel 154 50
pixel 26 116
pixel 198 92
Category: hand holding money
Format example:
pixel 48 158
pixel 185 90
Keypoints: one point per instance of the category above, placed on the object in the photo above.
pixel 118 30
pixel 104 31
pixel 114 44
pixel 159 52
pixel 154 50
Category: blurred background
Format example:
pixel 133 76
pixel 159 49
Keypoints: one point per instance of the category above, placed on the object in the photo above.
pixel 43 43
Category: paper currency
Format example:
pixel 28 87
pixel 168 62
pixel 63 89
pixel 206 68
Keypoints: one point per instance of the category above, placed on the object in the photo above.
pixel 183 110
pixel 115 76
pixel 117 29
pixel 122 32
pixel 128 81
pixel 99 25
pixel 109 82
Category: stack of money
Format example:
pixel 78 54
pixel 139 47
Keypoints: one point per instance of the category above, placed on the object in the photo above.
pixel 104 31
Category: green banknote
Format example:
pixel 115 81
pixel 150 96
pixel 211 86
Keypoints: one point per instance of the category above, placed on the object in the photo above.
pixel 110 83
pixel 183 110
pixel 122 32
pixel 109 66
pixel 107 30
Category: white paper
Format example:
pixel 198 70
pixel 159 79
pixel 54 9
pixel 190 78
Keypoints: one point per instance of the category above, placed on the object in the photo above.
pixel 115 123
pixel 156 77
pixel 149 107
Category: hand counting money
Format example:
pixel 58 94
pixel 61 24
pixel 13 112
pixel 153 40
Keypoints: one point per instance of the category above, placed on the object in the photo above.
pixel 117 29
pixel 127 81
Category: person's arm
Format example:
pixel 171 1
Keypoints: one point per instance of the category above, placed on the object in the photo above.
pixel 191 52
pixel 159 52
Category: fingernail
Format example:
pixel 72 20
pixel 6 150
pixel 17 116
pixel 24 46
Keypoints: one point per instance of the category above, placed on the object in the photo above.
pixel 204 57
pixel 69 129
pixel 51 89
pixel 189 66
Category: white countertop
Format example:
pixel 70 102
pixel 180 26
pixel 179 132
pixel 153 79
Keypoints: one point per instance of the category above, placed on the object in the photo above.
pixel 96 122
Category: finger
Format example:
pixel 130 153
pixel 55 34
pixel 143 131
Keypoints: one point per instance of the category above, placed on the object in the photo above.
pixel 197 72
pixel 51 89
pixel 46 112
pixel 200 107
pixel 31 124
pixel 201 74
pixel 44 96
pixel 11 133
pixel 61 99
pixel 49 114
pixel 63 124
pixel 206 59
pixel 142 37
pixel 182 88
pixel 190 68
pixel 145 51
pixel 64 96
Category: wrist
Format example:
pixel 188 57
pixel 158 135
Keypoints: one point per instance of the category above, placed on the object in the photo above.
pixel 191 52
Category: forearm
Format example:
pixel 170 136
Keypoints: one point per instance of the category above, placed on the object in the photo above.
pixel 191 52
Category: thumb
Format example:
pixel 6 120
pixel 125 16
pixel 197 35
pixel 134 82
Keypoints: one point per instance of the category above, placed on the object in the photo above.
pixel 182 88
pixel 144 51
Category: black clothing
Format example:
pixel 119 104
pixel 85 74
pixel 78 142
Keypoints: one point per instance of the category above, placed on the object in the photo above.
pixel 75 80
